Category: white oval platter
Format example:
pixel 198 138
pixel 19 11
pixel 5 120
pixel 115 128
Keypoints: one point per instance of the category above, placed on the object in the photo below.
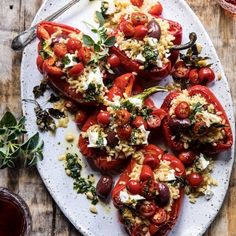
pixel 194 218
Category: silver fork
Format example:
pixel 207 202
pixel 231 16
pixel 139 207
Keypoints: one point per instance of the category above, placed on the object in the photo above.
pixel 25 37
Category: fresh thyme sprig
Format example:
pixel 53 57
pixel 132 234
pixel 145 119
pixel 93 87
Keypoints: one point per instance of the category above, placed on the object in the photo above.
pixel 104 42
pixel 12 146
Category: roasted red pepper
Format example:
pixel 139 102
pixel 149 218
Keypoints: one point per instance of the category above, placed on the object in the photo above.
pixel 47 65
pixel 155 72
pixel 123 86
pixel 177 145
pixel 154 197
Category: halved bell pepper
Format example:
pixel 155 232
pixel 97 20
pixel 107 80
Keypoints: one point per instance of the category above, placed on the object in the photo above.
pixel 146 206
pixel 200 130
pixel 124 121
pixel 61 56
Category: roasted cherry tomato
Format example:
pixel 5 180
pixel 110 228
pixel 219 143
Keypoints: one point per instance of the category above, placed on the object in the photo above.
pixel 194 76
pixel 123 117
pixel 182 110
pixel 146 173
pixel 71 106
pixel 151 160
pixel 153 150
pixel 137 3
pixel 200 128
pixel 80 117
pixel 127 28
pixel 140 32
pixel 84 55
pixel 42 33
pixel 195 180
pixel 60 50
pixel 49 68
pixel 134 187
pixel 76 70
pixel 103 118
pixel 149 189
pixel 138 18
pixel 124 132
pixel 181 71
pixel 206 75
pixel 187 157
pixel 156 10
pixel 160 216
pixel 147 209
pixel 153 121
pixel 114 91
pixel 73 45
pixel 113 60
pixel 139 121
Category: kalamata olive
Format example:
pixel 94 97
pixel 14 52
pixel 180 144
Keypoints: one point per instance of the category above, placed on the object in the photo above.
pixel 112 140
pixel 163 198
pixel 104 186
pixel 154 29
pixel 178 125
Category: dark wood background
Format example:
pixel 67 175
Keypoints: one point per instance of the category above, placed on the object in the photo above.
pixel 16 15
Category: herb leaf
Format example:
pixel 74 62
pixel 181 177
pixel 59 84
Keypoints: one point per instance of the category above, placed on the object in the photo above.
pixel 88 41
pixel 100 18
pixel 110 41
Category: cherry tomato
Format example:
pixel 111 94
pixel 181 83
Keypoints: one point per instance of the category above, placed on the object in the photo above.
pixel 194 76
pixel 49 68
pixel 160 216
pixel 123 117
pixel 73 45
pixel 195 180
pixel 181 71
pixel 80 117
pixel 156 10
pixel 71 106
pixel 153 150
pixel 60 50
pixel 113 60
pixel 182 110
pixel 151 160
pixel 149 189
pixel 140 32
pixel 76 70
pixel 39 63
pixel 114 91
pixel 103 117
pixel 42 33
pixel 187 157
pixel 147 209
pixel 124 132
pixel 175 163
pixel 139 121
pixel 138 18
pixel 127 28
pixel 84 55
pixel 137 3
pixel 200 128
pixel 206 75
pixel 154 121
pixel 146 173
pixel 134 187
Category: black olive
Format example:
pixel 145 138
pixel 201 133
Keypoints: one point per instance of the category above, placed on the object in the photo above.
pixel 179 125
pixel 154 29
pixel 163 198
pixel 112 140
pixel 104 186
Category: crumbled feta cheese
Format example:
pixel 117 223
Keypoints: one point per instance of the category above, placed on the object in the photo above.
pixel 140 58
pixel 94 76
pixel 202 163
pixel 93 139
pixel 127 198
pixel 169 177
pixel 70 58
pixel 209 118
pixel 152 41
pixel 159 63
pixel 137 102
pixel 146 134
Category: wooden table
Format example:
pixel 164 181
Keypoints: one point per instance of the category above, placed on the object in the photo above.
pixel 17 15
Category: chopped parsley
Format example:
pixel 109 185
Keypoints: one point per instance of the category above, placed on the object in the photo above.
pixel 196 108
pixel 93 92
pixel 150 56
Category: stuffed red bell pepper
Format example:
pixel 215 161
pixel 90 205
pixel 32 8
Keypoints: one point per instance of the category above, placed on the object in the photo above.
pixel 148 193
pixel 113 133
pixel 196 120
pixel 64 61
pixel 143 39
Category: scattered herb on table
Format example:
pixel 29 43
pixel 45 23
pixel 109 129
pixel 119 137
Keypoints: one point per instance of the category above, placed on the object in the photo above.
pixel 53 98
pixel 39 90
pixel 12 147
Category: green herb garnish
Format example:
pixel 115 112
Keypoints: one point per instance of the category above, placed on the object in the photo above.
pixel 55 113
pixel 53 98
pixel 150 56
pixel 39 90
pixel 196 108
pixel 12 147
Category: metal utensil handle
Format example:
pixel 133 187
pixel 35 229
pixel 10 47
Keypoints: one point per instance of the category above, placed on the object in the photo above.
pixel 24 38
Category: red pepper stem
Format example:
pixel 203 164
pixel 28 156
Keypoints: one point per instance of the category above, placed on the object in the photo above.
pixel 193 39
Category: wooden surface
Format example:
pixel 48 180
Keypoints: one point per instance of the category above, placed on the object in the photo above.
pixel 17 15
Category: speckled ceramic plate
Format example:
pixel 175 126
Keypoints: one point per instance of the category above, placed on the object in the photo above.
pixel 194 219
